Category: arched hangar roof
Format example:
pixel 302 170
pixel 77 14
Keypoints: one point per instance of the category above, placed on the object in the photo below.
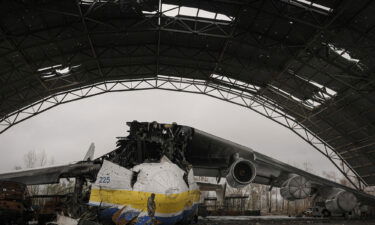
pixel 311 63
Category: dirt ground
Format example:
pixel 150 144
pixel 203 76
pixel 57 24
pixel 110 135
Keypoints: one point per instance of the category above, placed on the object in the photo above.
pixel 272 220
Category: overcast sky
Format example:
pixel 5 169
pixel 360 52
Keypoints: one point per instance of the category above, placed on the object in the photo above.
pixel 65 132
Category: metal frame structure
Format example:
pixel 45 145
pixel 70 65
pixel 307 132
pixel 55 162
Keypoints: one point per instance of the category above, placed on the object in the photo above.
pixel 305 65
pixel 227 90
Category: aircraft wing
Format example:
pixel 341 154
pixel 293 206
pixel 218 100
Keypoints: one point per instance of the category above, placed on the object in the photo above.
pixel 213 156
pixel 52 174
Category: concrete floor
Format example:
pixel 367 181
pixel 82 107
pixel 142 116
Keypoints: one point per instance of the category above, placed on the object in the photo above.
pixel 268 220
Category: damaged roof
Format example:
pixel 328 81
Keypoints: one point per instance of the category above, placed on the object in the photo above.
pixel 313 60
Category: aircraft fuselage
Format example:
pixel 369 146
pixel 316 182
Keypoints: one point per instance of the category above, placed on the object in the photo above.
pixel 125 195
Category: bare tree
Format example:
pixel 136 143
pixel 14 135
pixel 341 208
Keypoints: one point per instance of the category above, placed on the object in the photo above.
pixel 33 159
pixel 30 159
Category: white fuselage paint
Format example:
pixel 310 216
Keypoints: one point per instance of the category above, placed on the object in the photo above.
pixel 175 198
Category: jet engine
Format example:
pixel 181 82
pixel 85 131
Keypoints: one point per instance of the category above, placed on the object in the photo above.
pixel 241 173
pixel 296 187
pixel 341 201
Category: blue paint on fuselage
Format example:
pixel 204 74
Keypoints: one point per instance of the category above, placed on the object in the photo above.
pixel 185 216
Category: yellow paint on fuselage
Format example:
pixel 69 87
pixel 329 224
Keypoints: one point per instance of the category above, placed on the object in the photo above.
pixel 165 203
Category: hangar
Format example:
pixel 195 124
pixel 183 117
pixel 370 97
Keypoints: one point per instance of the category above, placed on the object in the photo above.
pixel 307 65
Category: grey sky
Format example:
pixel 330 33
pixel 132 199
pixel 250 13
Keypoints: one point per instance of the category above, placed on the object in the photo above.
pixel 66 131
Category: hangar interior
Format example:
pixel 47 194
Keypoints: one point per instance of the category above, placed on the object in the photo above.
pixel 307 65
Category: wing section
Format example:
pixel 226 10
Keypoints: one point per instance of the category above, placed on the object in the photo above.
pixel 216 157
pixel 52 174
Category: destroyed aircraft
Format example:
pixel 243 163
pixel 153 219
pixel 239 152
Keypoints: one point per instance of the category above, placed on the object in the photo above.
pixel 149 177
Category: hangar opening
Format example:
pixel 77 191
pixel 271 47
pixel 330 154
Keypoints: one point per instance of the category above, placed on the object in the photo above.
pixel 293 57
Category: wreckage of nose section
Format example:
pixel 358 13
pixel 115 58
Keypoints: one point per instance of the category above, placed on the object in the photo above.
pixel 126 194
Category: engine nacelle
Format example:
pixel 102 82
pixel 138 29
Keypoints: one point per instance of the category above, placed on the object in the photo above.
pixel 241 173
pixel 296 187
pixel 341 201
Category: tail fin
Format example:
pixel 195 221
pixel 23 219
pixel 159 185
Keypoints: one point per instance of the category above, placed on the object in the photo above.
pixel 90 153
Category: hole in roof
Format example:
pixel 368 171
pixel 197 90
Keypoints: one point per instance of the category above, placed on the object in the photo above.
pixel 89 2
pixel 310 5
pixel 49 67
pixel 63 71
pixel 311 103
pixel 206 14
pixel 325 93
pixel 170 10
pixel 285 93
pixel 188 11
pixel 343 53
pixel 308 103
pixel 325 8
pixel 220 16
pixel 56 71
pixel 149 12
pixel 235 83
pixel 177 10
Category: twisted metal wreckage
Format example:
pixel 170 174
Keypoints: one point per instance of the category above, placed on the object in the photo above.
pixel 149 177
